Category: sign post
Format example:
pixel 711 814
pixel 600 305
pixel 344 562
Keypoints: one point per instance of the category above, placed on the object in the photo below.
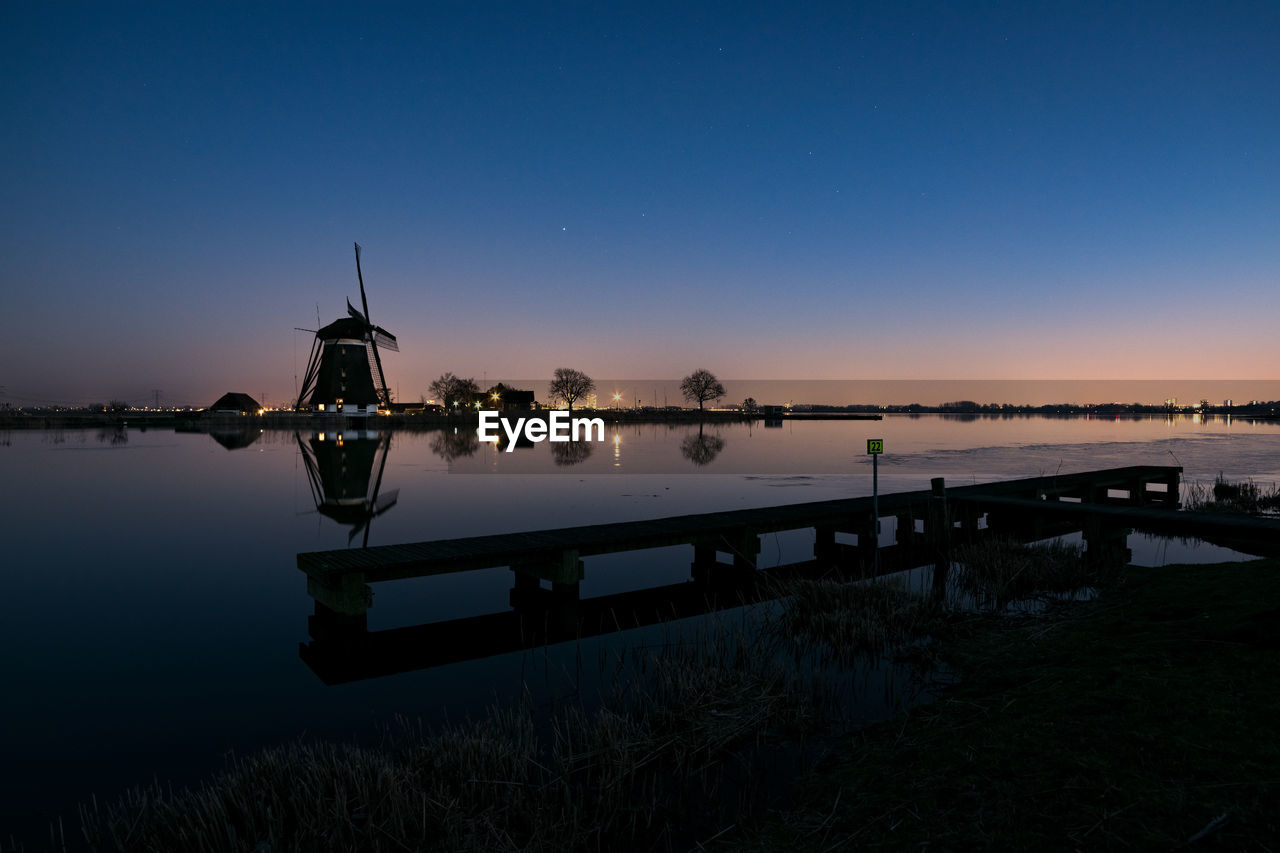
pixel 875 446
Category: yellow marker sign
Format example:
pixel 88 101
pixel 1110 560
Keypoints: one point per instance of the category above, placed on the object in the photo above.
pixel 875 445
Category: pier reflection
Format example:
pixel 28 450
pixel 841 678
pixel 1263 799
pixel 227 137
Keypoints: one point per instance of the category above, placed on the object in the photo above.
pixel 342 649
pixel 344 469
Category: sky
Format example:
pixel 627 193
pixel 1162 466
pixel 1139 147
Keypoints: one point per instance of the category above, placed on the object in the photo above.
pixel 867 191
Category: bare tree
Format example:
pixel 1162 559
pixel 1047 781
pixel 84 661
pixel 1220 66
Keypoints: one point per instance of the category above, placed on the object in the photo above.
pixel 454 391
pixel 570 385
pixel 701 385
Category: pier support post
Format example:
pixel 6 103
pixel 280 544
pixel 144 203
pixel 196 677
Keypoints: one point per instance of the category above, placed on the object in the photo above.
pixel 345 594
pixel 742 548
pixel 905 529
pixel 938 529
pixel 1106 544
pixel 329 625
pixel 824 544
pixel 551 614
pixel 868 544
pixel 746 550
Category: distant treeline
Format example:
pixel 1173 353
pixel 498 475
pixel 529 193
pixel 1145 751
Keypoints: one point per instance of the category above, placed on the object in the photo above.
pixel 970 407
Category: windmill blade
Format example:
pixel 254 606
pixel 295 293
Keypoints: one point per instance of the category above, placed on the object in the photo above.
pixel 310 378
pixel 385 502
pixel 375 370
pixel 385 340
pixel 356 314
pixel 363 525
pixel 384 393
pixel 364 300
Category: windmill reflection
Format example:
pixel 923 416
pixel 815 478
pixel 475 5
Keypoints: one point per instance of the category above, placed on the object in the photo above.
pixel 341 472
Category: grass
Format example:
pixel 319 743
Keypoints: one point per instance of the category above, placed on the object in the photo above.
pixel 658 766
pixel 1140 720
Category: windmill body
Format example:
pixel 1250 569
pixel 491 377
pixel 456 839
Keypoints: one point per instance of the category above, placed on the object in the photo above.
pixel 344 374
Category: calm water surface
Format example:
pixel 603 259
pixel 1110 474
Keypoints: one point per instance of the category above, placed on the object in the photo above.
pixel 155 611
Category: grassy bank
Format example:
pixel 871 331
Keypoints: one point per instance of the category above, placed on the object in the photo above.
pixel 1146 719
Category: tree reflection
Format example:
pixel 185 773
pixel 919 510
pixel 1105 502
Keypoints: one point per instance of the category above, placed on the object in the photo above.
pixel 570 452
pixel 454 444
pixel 114 435
pixel 701 449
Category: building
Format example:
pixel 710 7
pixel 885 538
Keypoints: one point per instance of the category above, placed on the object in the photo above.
pixel 235 403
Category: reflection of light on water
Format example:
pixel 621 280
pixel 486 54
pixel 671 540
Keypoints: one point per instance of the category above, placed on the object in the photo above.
pixel 617 450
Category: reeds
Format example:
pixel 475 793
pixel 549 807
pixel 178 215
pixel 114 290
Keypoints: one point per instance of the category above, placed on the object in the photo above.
pixel 843 619
pixel 1224 496
pixel 998 571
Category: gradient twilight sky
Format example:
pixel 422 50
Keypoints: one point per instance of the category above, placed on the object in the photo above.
pixel 1003 190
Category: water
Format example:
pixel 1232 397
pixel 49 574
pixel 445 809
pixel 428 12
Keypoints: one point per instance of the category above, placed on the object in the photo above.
pixel 155 609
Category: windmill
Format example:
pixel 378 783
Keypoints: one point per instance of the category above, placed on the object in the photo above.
pixel 344 373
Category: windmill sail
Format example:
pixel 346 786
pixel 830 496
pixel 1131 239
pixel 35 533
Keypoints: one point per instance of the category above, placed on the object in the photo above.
pixel 384 393
pixel 385 339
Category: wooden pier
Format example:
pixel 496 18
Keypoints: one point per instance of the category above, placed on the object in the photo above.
pixel 340 578
pixel 547 565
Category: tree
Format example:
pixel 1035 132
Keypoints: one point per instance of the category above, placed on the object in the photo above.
pixel 701 385
pixel 570 385
pixel 453 391
pixel 750 405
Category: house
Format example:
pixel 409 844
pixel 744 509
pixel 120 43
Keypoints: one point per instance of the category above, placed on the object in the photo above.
pixel 233 403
